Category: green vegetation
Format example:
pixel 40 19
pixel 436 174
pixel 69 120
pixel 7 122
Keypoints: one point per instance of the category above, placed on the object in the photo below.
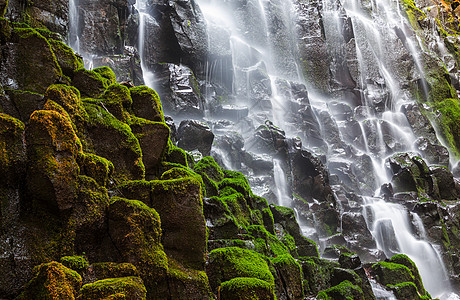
pixel 128 287
pixel 76 263
pixel 344 290
pixel 244 288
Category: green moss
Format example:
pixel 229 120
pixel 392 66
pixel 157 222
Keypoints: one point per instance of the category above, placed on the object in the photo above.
pixel 207 165
pixel 317 274
pixel 69 98
pixel 181 172
pixel 414 14
pixel 117 96
pixel 107 74
pixel 89 83
pixel 12 150
pixel 98 117
pixel 106 270
pixel 146 104
pixel 273 246
pixel 99 168
pixel 449 110
pixel 237 181
pixel 76 263
pixel 52 281
pixel 244 288
pixel 130 287
pixel 404 260
pixel 392 273
pixel 176 155
pixel 232 262
pixel 65 57
pixel 344 290
pixel 187 282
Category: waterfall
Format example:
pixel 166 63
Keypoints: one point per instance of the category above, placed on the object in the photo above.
pixel 142 7
pixel 265 60
pixel 73 39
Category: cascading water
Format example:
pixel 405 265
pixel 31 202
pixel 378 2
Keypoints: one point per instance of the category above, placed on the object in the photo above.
pixel 378 42
pixel 142 6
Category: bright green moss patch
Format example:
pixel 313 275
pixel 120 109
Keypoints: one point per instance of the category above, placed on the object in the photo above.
pixel 344 290
pixel 450 121
pixel 232 262
pixel 89 83
pixel 76 263
pixel 52 281
pixel 207 165
pixel 117 94
pixel 65 57
pixel 96 167
pixel 392 273
pixel 176 155
pixel 237 181
pixel 130 287
pixel 146 104
pixel 244 288
pixel 107 74
pixel 404 260
pixel 268 242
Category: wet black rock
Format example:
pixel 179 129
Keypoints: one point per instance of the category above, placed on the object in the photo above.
pixel 195 135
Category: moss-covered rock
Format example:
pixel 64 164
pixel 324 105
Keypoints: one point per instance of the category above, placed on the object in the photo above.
pixel 392 273
pixel 36 65
pixel 135 231
pixel 65 57
pixel 112 139
pixel 107 74
pixel 106 270
pixel 186 283
pixel 24 103
pixel 12 151
pixel 406 291
pixel 90 83
pixel 244 288
pixel 96 167
pixel 317 274
pixel 117 99
pixel 52 281
pixel 232 262
pixel 344 290
pixel 207 165
pixel 146 104
pixel 69 98
pixel 179 203
pixel 290 273
pixel 114 288
pixel 449 121
pixel 52 148
pixel 75 262
pixel 404 260
pixel 153 138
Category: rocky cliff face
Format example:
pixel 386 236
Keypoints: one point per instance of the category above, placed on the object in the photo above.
pixel 99 202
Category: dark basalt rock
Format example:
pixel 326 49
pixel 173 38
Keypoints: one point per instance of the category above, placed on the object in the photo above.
pixel 195 135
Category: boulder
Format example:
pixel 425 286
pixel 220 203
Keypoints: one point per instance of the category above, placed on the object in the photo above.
pixel 12 147
pixel 52 280
pixel 112 288
pixel 195 135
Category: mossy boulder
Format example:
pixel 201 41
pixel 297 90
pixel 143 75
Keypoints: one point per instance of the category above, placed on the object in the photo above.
pixel 227 263
pixel 135 231
pixel 112 139
pixel 52 169
pixel 343 291
pixel 391 273
pixel 449 121
pixel 153 139
pixel 90 83
pixel 244 288
pixel 69 98
pixel 22 104
pixel 406 291
pixel 12 151
pixel 89 217
pixel 207 165
pixel 186 283
pixel 404 260
pixel 146 104
pixel 75 262
pixel 35 67
pixel 107 74
pixel 52 281
pixel 131 288
pixel 96 167
pixel 317 274
pixel 290 273
pixel 179 203
pixel 106 270
pixel 117 99
pixel 65 57
pixel 177 155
